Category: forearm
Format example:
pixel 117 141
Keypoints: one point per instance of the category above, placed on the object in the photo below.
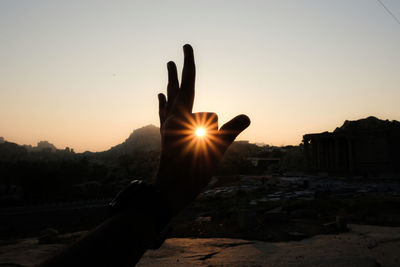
pixel 119 241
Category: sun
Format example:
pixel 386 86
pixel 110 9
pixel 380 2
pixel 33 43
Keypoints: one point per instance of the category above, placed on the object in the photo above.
pixel 199 135
pixel 200 132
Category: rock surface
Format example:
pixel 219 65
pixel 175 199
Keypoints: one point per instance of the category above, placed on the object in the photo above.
pixel 362 246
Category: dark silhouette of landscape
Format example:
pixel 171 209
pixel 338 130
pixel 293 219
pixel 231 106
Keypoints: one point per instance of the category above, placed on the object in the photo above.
pixel 41 176
pixel 44 174
pixel 260 192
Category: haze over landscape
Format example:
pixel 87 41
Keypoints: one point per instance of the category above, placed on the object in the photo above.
pixel 85 74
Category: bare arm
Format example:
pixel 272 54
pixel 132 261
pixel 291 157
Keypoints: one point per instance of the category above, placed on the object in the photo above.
pixel 186 166
pixel 119 241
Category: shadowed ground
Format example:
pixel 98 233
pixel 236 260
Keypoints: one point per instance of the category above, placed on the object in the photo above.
pixel 362 246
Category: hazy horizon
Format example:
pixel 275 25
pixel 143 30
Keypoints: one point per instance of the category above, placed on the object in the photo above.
pixel 85 74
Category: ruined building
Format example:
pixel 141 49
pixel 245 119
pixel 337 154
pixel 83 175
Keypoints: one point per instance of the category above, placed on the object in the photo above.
pixel 367 146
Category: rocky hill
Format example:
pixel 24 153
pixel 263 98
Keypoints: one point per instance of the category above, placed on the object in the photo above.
pixel 367 124
pixel 145 139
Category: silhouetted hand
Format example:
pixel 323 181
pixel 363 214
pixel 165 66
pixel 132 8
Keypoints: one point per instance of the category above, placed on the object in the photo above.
pixel 186 165
pixel 187 160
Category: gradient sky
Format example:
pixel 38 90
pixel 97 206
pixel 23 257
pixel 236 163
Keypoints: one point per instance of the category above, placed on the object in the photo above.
pixel 85 74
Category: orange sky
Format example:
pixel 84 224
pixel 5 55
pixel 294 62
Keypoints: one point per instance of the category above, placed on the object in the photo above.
pixel 84 74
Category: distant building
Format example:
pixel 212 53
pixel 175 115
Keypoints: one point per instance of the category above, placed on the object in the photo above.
pixel 367 146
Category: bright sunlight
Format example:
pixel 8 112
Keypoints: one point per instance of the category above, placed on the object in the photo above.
pixel 200 132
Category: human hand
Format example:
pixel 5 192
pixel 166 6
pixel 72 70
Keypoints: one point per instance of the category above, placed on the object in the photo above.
pixel 187 160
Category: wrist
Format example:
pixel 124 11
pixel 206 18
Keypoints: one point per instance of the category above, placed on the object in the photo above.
pixel 176 195
pixel 143 200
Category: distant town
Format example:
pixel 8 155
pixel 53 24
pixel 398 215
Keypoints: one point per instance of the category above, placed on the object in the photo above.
pixel 366 147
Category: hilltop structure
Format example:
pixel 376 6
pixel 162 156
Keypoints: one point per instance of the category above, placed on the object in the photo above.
pixel 367 146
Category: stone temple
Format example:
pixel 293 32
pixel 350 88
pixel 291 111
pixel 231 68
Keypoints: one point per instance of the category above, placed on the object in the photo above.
pixel 369 147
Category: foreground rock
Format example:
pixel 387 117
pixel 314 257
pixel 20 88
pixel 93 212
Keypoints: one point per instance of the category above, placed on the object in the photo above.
pixel 361 246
